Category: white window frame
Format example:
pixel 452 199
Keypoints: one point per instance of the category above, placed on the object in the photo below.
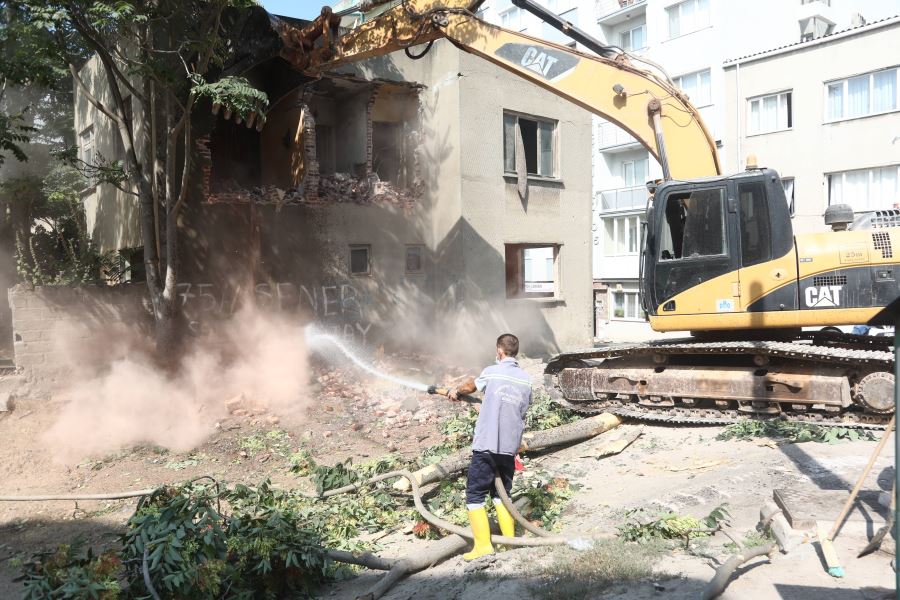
pixel 870 171
pixel 87 153
pixel 633 163
pixel 844 82
pixel 629 47
pixel 632 297
pixel 697 102
pixel 518 20
pixel 554 145
pixel 760 101
pixel 621 231
pixel 696 25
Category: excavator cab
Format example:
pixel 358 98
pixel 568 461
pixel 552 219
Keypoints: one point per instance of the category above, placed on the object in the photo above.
pixel 711 229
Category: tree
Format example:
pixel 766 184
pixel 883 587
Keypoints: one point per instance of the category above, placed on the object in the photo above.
pixel 159 59
pixel 35 86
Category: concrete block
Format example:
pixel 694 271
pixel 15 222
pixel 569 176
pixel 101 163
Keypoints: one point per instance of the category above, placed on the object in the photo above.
pixel 787 537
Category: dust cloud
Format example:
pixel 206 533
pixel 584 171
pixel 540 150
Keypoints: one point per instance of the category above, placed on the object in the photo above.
pixel 252 362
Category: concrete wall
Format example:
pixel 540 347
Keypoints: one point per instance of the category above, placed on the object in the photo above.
pixel 813 148
pixel 59 329
pixel 555 211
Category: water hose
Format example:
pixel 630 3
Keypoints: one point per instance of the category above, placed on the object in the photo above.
pixel 546 538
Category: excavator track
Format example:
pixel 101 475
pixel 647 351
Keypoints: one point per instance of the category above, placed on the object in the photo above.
pixel 819 350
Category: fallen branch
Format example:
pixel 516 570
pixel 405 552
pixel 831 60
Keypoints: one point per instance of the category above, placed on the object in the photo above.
pixel 443 549
pixel 534 440
pixel 720 580
pixel 76 497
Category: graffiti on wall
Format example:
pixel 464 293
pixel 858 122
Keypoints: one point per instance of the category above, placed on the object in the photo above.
pixel 337 308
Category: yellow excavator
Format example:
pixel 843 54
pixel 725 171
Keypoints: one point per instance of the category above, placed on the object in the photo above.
pixel 718 255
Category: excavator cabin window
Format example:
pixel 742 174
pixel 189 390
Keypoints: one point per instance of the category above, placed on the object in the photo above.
pixel 756 230
pixel 693 225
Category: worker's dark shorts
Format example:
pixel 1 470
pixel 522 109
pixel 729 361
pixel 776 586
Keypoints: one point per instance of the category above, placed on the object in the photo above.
pixel 480 482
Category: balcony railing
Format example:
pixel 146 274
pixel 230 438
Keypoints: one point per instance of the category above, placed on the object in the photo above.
pixel 623 199
pixel 610 135
pixel 608 7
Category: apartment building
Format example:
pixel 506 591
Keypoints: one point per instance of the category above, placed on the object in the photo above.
pixel 690 40
pixel 826 114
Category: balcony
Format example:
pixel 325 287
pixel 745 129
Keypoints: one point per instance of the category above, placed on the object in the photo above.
pixel 630 198
pixel 612 138
pixel 613 12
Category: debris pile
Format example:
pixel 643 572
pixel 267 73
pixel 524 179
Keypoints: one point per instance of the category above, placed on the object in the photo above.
pixel 335 188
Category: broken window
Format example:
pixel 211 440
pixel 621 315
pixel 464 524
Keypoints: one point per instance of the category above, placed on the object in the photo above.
pixel 387 143
pixel 531 270
pixel 325 149
pixel 360 259
pixel 415 259
pixel 694 225
pixel 536 141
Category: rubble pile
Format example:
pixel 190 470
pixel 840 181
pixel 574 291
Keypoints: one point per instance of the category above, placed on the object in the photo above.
pixel 398 417
pixel 337 188
pixel 343 187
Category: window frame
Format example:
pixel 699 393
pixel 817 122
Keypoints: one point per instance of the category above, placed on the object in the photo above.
pixel 627 292
pixel 630 33
pixel 679 6
pixel 88 161
pixel 789 121
pixel 510 11
pixel 845 82
pixel 421 249
pixel 520 293
pixel 870 171
pixel 790 201
pixel 368 249
pixel 723 203
pixel 554 145
pixel 696 101
pixel 609 249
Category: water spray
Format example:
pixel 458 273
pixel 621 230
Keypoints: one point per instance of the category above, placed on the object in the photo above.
pixel 314 339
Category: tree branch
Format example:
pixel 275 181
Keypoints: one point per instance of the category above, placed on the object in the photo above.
pixel 91 98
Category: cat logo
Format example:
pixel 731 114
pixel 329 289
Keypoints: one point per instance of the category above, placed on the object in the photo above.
pixel 550 63
pixel 826 296
pixel 538 61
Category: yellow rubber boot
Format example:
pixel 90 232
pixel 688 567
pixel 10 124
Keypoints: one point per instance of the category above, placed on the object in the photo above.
pixel 505 520
pixel 481 530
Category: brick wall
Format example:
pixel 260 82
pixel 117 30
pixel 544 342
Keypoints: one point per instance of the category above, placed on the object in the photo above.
pixel 59 329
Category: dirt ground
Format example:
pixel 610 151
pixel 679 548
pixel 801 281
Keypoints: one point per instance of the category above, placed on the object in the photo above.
pixel 678 469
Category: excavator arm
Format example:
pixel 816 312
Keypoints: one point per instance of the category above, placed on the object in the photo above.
pixel 640 101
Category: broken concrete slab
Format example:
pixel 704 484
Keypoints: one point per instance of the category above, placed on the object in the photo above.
pixel 805 506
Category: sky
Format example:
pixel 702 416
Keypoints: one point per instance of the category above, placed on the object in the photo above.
pixel 301 9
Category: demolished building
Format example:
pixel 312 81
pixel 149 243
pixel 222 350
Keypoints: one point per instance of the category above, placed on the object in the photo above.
pixel 381 201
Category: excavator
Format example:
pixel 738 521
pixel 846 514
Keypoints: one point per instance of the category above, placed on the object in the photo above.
pixel 719 258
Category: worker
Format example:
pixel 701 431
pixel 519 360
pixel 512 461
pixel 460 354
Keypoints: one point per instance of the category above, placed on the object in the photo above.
pixel 498 433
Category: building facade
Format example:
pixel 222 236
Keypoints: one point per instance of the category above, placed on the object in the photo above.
pixel 825 113
pixel 381 201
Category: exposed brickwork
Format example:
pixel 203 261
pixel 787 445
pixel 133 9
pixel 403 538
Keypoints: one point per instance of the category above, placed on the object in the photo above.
pixel 56 329
pixel 370 107
pixel 311 177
